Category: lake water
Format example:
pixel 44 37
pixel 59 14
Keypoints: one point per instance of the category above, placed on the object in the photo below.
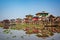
pixel 20 35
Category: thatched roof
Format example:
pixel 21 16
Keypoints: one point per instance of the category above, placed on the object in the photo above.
pixel 51 16
pixel 6 21
pixel 58 16
pixel 43 12
pixel 25 18
pixel 29 15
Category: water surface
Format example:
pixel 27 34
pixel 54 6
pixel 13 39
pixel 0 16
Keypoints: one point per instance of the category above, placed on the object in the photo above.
pixel 21 35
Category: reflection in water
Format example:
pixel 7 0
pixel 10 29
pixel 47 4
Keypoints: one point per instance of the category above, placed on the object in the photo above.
pixel 21 35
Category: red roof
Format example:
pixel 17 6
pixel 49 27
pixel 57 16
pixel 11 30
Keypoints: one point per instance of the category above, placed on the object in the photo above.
pixel 35 18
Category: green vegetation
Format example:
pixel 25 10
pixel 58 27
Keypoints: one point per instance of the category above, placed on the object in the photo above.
pixel 23 26
pixel 6 31
pixel 22 36
pixel 1 25
pixel 13 36
pixel 38 29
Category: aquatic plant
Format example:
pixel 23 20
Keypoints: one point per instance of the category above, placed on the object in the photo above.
pixel 6 31
pixel 13 36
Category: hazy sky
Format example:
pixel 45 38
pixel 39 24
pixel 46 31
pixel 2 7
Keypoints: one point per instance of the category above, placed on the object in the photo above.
pixel 19 8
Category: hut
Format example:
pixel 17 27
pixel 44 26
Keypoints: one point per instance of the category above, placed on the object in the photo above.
pixel 57 20
pixel 51 18
pixel 12 22
pixel 26 20
pixel 18 21
pixel 29 16
pixel 42 14
pixel 35 20
pixel 6 23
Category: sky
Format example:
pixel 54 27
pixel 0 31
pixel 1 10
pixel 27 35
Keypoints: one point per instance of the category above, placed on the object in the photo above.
pixel 12 9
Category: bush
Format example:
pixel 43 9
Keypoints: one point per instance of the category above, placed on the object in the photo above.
pixel 1 25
